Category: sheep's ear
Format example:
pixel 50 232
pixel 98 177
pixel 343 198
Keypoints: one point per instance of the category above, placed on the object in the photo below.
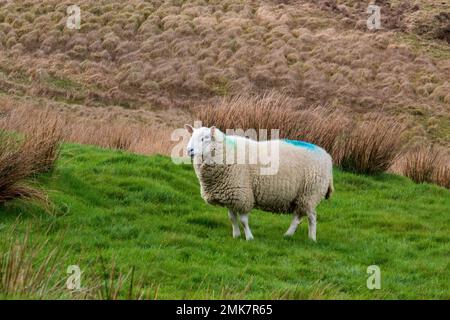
pixel 213 131
pixel 189 128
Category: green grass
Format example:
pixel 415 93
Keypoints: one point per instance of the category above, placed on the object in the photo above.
pixel 146 213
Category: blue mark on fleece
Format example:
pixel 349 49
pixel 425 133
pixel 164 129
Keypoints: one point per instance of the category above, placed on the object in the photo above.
pixel 230 140
pixel 302 144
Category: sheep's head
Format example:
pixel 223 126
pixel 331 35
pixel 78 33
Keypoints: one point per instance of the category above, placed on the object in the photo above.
pixel 203 144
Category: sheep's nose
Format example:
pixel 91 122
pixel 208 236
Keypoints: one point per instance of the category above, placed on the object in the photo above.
pixel 190 152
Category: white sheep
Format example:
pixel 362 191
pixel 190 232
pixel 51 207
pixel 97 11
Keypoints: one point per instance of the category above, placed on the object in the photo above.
pixel 304 177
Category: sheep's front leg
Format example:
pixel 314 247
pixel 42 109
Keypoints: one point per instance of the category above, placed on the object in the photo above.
pixel 234 222
pixel 244 221
pixel 294 224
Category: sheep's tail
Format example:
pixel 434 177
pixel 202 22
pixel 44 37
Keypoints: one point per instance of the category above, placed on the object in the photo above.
pixel 330 189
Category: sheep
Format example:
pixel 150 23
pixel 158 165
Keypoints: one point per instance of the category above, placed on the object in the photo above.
pixel 304 177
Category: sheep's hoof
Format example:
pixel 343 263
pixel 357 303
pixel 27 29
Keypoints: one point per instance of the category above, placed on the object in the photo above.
pixel 236 235
pixel 249 238
pixel 288 235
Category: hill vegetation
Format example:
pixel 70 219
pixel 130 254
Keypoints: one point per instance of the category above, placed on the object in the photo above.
pixel 377 101
pixel 142 218
pixel 162 54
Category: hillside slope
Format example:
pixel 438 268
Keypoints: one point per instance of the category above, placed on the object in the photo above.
pixel 163 54
pixel 116 208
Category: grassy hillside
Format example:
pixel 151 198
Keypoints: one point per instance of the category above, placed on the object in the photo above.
pixel 128 211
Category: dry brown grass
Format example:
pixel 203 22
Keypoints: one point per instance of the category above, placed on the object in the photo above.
pixel 17 166
pixel 367 147
pixel 271 111
pixel 442 173
pixel 114 130
pixel 120 135
pixel 276 111
pixel 371 146
pixel 160 55
pixel 165 53
pixel 322 127
pixel 425 163
pixel 30 138
pixel 43 136
pixel 24 155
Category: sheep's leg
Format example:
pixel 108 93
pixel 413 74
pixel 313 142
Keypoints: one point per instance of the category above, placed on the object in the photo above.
pixel 247 231
pixel 234 222
pixel 312 221
pixel 294 224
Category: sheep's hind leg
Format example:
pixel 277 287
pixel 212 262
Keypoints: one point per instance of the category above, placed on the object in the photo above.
pixel 244 221
pixel 234 222
pixel 294 224
pixel 312 221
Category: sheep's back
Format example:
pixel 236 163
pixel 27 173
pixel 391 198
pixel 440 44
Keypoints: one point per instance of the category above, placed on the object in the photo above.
pixel 304 173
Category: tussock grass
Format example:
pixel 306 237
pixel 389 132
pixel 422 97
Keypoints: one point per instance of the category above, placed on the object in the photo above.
pixel 16 166
pixel 22 157
pixel 425 163
pixel 164 54
pixel 276 111
pixel 47 127
pixel 368 147
pixel 322 127
pixel 177 54
pixel 270 111
pixel 371 147
pixel 120 135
